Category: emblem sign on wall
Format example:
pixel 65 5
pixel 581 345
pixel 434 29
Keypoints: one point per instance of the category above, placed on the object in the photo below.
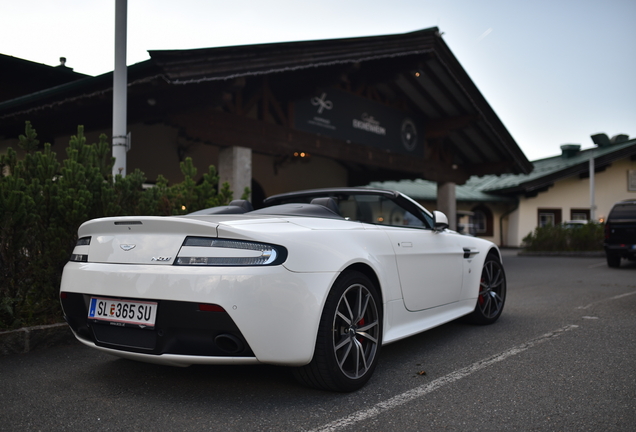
pixel 347 117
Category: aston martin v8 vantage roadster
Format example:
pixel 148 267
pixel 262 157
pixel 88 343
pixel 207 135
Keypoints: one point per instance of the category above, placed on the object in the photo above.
pixel 318 280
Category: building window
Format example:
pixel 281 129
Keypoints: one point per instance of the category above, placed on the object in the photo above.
pixel 549 217
pixel 580 214
pixel 482 221
pixel 631 180
pixel 479 222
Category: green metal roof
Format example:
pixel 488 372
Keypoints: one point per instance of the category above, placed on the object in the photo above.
pixel 547 171
pixel 425 190
pixel 503 188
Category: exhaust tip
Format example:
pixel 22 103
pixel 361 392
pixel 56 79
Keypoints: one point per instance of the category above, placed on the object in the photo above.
pixel 229 343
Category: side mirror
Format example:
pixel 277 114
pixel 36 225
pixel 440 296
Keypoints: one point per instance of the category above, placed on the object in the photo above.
pixel 441 221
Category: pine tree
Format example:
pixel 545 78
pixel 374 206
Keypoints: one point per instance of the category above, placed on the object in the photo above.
pixel 43 202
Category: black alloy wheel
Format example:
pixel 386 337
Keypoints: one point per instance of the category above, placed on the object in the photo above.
pixel 349 337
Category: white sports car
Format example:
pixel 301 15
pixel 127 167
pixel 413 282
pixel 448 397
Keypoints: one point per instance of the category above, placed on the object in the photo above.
pixel 318 280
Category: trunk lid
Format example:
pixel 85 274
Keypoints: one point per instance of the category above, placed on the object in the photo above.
pixel 139 240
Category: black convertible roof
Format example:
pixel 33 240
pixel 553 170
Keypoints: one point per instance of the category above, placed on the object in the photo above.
pixel 275 199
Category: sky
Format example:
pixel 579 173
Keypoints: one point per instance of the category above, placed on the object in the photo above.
pixel 554 71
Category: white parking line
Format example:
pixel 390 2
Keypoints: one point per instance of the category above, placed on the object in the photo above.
pixel 417 392
pixel 623 295
pixel 607 299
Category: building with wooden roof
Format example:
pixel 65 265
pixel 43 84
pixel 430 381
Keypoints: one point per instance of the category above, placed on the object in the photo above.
pixel 283 116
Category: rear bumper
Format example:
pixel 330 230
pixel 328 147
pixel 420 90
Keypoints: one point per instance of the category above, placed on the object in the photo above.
pixel 181 328
pixel 271 314
pixel 624 250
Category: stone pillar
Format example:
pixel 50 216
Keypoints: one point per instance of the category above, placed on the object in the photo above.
pixel 235 167
pixel 446 202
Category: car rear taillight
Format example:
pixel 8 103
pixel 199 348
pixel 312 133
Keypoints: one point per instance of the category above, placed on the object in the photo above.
pixel 212 251
pixel 80 253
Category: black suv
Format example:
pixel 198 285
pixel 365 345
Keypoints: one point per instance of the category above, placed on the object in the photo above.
pixel 620 233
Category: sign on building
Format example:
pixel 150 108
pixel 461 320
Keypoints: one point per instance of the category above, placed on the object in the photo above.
pixel 350 118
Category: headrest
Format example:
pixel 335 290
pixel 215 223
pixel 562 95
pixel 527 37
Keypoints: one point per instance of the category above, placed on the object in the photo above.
pixel 330 203
pixel 244 204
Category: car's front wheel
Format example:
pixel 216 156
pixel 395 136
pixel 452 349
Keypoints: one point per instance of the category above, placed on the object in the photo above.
pixel 349 336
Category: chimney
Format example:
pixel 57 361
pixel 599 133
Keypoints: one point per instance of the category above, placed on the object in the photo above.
pixel 620 138
pixel 62 64
pixel 569 150
pixel 602 140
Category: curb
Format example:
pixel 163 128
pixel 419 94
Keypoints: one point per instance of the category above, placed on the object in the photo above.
pixel 29 339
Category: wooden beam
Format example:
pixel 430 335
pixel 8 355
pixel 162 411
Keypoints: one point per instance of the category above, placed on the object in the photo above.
pixel 440 128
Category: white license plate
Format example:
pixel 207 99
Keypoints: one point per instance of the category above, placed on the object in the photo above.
pixel 122 312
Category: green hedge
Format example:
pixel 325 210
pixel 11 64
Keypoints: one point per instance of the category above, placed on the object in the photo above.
pixel 43 202
pixel 588 237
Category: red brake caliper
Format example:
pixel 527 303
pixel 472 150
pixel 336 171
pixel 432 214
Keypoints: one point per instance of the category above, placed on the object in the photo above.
pixel 360 324
pixel 481 298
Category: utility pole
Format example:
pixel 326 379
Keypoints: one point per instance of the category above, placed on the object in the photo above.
pixel 120 83
pixel 592 202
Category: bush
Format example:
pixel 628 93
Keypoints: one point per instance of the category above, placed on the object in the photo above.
pixel 43 202
pixel 588 237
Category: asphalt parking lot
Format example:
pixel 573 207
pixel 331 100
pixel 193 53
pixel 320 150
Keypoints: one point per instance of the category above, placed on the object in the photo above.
pixel 561 358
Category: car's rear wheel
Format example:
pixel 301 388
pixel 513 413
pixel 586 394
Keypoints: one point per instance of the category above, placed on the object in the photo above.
pixel 613 260
pixel 492 292
pixel 349 336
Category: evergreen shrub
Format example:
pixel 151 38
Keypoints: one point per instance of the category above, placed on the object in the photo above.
pixel 43 202
pixel 558 238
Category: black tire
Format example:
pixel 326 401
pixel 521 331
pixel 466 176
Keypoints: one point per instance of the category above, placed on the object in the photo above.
pixel 349 337
pixel 492 293
pixel 613 260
